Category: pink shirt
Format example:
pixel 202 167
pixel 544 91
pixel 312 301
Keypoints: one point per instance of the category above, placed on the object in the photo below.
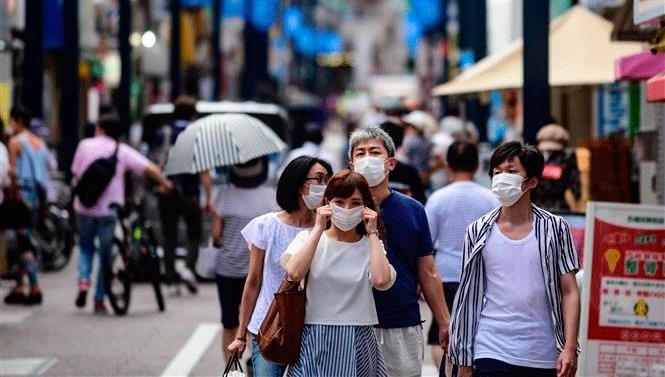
pixel 128 160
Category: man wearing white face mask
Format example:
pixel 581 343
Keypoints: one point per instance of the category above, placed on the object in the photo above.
pixel 409 246
pixel 517 309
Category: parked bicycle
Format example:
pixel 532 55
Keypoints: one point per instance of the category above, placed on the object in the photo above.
pixel 133 258
pixel 53 237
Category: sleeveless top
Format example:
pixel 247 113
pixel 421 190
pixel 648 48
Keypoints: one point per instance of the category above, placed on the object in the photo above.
pixel 32 164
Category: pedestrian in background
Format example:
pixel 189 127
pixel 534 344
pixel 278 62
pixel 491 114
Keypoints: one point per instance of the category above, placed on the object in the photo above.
pixel 234 207
pixel 300 192
pixel 183 201
pixel 404 178
pixel 410 252
pixel 341 259
pixel 559 188
pixel 418 125
pixel 98 222
pixel 29 165
pixel 518 307
pixel 449 211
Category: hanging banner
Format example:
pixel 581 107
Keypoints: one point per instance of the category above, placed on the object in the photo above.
pixel 622 330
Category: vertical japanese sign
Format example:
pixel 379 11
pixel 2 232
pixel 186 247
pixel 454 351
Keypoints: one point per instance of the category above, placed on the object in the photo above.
pixel 622 330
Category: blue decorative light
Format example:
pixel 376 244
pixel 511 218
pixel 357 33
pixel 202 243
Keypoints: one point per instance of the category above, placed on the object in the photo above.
pixel 329 42
pixel 233 8
pixel 292 21
pixel 428 12
pixel 305 41
pixel 263 13
pixel 466 59
pixel 413 31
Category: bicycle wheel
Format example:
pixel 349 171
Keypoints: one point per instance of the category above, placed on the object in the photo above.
pixel 118 278
pixel 149 253
pixel 54 240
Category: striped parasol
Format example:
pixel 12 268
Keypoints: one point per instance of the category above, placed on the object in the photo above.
pixel 221 140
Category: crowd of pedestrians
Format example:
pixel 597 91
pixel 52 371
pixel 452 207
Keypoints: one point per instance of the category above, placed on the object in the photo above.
pixel 368 243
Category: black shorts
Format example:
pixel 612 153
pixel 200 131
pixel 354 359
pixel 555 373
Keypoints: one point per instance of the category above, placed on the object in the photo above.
pixel 229 291
pixel 449 290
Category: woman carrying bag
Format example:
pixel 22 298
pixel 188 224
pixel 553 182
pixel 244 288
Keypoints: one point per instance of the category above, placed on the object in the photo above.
pixel 343 258
pixel 299 193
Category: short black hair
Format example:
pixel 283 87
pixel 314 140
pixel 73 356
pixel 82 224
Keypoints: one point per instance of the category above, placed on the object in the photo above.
pixel 293 177
pixel 21 114
pixel 529 156
pixel 184 108
pixel 395 131
pixel 462 156
pixel 110 124
pixel 314 134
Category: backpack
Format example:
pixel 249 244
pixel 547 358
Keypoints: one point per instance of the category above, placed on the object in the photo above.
pixel 95 179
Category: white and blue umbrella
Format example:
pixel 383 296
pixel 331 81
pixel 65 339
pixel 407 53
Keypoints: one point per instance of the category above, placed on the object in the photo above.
pixel 221 140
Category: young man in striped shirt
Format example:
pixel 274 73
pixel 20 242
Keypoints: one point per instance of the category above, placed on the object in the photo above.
pixel 517 309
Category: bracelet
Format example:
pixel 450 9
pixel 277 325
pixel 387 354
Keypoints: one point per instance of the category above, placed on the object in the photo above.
pixel 375 231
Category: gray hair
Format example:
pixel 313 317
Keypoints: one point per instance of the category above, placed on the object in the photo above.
pixel 372 133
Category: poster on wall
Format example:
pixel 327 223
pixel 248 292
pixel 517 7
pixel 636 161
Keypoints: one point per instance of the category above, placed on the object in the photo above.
pixel 622 330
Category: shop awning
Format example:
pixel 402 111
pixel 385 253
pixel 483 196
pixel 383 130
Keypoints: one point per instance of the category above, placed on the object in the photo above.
pixel 640 66
pixel 581 53
pixel 656 88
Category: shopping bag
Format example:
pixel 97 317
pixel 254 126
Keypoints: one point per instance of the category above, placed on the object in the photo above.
pixel 233 368
pixel 205 264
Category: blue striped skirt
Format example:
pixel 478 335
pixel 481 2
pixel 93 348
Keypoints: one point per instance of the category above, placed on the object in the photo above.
pixel 329 351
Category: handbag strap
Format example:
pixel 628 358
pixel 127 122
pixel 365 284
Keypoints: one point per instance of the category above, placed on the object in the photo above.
pixel 233 364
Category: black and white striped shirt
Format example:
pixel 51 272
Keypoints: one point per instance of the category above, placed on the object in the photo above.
pixel 557 257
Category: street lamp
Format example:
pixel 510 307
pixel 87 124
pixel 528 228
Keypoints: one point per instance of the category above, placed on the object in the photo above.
pixel 148 39
pixel 135 39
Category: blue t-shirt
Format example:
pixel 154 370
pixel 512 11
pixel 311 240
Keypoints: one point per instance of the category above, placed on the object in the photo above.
pixel 407 239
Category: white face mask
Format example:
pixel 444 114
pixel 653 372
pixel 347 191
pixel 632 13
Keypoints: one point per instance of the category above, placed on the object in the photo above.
pixel 314 199
pixel 372 168
pixel 507 188
pixel 346 219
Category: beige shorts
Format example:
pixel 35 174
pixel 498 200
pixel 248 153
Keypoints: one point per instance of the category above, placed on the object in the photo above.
pixel 403 350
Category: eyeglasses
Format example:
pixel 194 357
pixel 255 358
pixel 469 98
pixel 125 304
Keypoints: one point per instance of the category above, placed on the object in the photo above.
pixel 320 180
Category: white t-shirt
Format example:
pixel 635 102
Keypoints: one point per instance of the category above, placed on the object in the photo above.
pixel 268 233
pixel 449 211
pixel 515 323
pixel 339 291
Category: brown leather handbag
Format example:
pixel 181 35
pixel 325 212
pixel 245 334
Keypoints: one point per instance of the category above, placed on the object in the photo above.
pixel 281 330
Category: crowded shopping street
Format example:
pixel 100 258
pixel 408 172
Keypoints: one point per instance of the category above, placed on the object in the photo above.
pixel 332 188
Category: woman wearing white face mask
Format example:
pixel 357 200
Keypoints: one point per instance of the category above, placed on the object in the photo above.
pixel 519 311
pixel 342 258
pixel 268 236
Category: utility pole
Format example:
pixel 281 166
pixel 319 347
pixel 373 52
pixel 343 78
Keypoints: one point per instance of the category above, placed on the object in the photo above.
pixel 536 87
pixel 175 49
pixel 33 68
pixel 123 98
pixel 473 37
pixel 216 50
pixel 256 55
pixel 69 102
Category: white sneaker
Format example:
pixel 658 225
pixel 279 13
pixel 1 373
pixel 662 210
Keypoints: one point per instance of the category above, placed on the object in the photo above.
pixel 173 290
pixel 189 279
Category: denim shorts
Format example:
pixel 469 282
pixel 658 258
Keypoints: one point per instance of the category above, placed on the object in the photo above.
pixel 262 367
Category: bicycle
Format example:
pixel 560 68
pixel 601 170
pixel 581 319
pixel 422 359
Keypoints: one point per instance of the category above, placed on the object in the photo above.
pixel 133 250
pixel 53 237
